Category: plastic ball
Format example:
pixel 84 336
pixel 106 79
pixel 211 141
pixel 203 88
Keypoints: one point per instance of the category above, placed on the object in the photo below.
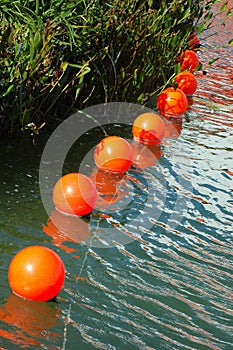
pixel 172 102
pixel 186 82
pixel 189 60
pixel 36 273
pixel 74 194
pixel 148 128
pixel 113 154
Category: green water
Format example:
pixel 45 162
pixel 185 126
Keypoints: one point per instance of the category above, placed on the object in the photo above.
pixel 170 286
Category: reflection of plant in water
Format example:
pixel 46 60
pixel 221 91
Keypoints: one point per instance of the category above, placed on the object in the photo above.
pixel 213 106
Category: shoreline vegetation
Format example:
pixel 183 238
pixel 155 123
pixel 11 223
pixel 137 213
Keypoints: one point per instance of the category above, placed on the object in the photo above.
pixel 61 56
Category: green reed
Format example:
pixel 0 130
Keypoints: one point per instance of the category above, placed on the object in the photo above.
pixel 60 56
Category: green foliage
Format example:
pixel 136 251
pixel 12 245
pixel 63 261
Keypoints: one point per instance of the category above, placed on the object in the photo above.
pixel 60 55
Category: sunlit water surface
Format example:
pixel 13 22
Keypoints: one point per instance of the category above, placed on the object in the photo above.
pixel 168 284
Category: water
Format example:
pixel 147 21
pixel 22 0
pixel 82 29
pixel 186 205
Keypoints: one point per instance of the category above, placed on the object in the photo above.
pixel 170 286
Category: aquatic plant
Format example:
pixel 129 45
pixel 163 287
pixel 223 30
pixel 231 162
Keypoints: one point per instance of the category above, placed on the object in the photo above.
pixel 60 56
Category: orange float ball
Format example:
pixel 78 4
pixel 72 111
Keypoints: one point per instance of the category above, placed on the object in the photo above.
pixel 172 102
pixel 189 60
pixel 148 128
pixel 113 154
pixel 36 273
pixel 186 82
pixel 74 194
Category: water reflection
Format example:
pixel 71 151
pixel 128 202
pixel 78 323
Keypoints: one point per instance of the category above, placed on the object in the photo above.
pixel 27 322
pixel 173 127
pixel 111 187
pixel 145 155
pixel 167 285
pixel 66 228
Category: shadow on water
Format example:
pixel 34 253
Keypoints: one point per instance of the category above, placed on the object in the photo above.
pixel 151 268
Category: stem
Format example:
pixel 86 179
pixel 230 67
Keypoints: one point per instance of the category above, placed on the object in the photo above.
pixel 37 7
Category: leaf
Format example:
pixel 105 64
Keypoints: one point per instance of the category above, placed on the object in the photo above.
pixel 229 13
pixel 10 88
pixel 186 15
pixel 75 65
pixel 32 49
pixel 141 97
pixel 37 41
pixel 64 65
pixel 208 16
pixel 150 3
pixel 230 42
pixel 213 60
pixel 200 28
pixel 224 6
pixel 122 71
pixel 177 68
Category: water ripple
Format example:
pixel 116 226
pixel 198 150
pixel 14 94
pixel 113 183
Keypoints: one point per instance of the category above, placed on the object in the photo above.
pixel 165 281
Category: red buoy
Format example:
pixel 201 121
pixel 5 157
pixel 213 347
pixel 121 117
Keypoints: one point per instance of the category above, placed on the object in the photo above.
pixel 187 82
pixel 189 60
pixel 172 102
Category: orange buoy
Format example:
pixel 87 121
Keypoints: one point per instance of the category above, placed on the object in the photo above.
pixel 36 273
pixel 172 102
pixel 187 82
pixel 74 194
pixel 148 128
pixel 113 154
pixel 189 60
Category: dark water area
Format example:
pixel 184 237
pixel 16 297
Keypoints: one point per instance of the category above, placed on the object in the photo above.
pixel 164 280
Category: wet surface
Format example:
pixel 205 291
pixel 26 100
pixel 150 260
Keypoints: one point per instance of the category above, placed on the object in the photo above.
pixel 165 279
